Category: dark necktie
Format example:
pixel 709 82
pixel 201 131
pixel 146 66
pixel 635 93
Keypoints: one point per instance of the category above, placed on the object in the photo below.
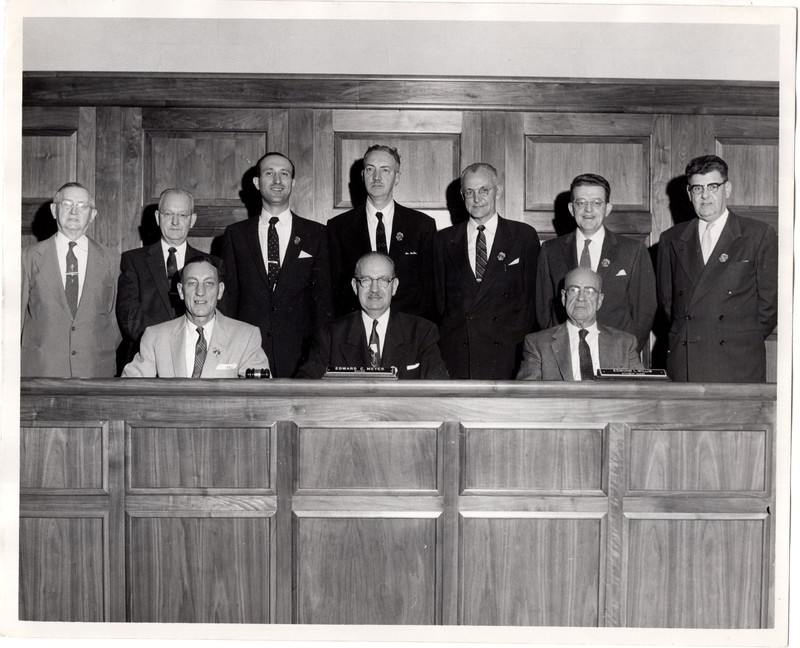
pixel 586 260
pixel 172 266
pixel 380 235
pixel 71 284
pixel 375 346
pixel 273 253
pixel 480 254
pixel 199 353
pixel 585 356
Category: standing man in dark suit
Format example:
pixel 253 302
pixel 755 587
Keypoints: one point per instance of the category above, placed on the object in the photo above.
pixel 377 335
pixel 717 284
pixel 576 349
pixel 277 272
pixel 69 285
pixel 485 283
pixel 147 292
pixel 383 225
pixel 629 283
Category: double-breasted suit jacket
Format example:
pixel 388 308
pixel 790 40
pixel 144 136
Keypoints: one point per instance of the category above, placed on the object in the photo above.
pixel 410 345
pixel 410 247
pixel 54 343
pixel 481 325
pixel 546 354
pixel 629 284
pixel 719 313
pixel 301 301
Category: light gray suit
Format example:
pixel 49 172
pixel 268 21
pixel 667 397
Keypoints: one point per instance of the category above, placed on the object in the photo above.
pixel 546 354
pixel 55 344
pixel 234 347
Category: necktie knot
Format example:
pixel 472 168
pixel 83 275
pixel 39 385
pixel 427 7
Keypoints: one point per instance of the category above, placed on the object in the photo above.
pixel 72 244
pixel 379 216
pixel 273 221
pixel 583 333
pixel 172 250
pixel 200 331
pixel 481 228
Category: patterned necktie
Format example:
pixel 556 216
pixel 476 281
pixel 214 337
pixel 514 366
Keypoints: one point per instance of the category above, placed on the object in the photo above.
pixel 374 346
pixel 71 283
pixel 480 254
pixel 585 356
pixel 380 235
pixel 586 260
pixel 273 253
pixel 705 242
pixel 172 267
pixel 199 353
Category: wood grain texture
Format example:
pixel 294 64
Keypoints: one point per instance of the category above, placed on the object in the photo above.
pixel 67 458
pixel 559 557
pixel 397 121
pixel 376 571
pixel 50 161
pixel 748 188
pixel 202 570
pixel 109 168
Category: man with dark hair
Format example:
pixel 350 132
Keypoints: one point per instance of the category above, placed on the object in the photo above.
pixel 622 263
pixel 69 285
pixel 377 335
pixel 485 283
pixel 717 284
pixel 147 292
pixel 203 343
pixel 384 225
pixel 277 270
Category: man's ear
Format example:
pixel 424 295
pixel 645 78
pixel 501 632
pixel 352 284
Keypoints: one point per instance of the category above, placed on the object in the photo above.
pixel 221 289
pixel 354 284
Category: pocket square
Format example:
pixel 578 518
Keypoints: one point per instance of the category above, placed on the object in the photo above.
pixel 226 367
pixel 514 262
pixel 304 255
pixel 621 273
pixel 410 367
pixel 411 252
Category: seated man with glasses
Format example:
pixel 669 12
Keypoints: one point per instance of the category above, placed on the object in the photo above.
pixel 147 292
pixel 717 284
pixel 622 263
pixel 576 349
pixel 377 336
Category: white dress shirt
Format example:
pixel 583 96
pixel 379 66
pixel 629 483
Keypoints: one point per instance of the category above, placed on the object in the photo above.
pixel 81 252
pixel 592 340
pixel 472 238
pixel 284 229
pixel 595 247
pixel 191 341
pixel 383 323
pixel 716 230
pixel 180 253
pixel 372 224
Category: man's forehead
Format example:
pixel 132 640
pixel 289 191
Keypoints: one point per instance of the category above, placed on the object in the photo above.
pixel 275 162
pixel 376 268
pixel 176 199
pixel 478 178
pixel 704 178
pixel 380 158
pixel 582 280
pixel 589 189
pixel 75 193
pixel 199 270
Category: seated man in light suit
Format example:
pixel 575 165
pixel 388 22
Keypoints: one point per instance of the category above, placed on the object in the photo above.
pixel 377 336
pixel 203 343
pixel 576 349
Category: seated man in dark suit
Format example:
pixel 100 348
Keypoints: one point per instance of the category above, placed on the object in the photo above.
pixel 147 292
pixel 377 335
pixel 203 343
pixel 576 349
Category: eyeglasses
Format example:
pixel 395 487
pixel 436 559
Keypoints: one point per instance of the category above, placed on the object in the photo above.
pixel 592 204
pixel 171 215
pixel 588 291
pixel 366 282
pixel 469 194
pixel 80 206
pixel 713 187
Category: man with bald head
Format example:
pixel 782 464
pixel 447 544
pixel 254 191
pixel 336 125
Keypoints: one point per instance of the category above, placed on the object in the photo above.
pixel 576 349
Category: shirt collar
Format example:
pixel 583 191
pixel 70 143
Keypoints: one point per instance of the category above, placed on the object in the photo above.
pixel 598 237
pixel 718 224
pixel 491 224
pixel 83 241
pixel 284 217
pixel 178 248
pixel 387 211
pixel 383 320
pixel 191 326
pixel 592 328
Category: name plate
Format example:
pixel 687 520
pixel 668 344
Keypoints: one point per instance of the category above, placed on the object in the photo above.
pixel 350 373
pixel 643 374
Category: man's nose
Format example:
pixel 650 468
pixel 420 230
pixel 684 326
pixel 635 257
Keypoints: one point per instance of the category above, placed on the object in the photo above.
pixel 201 290
pixel 277 179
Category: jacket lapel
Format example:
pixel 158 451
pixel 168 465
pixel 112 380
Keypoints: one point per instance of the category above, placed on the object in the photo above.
pixel 95 262
pixel 51 273
pixel 354 346
pixel 220 339
pixel 178 347
pixel 254 246
pixel 158 271
pixel 608 251
pixel 502 245
pixel 293 250
pixel 711 271
pixel 569 252
pixel 560 346
pixel 687 249
pixel 393 344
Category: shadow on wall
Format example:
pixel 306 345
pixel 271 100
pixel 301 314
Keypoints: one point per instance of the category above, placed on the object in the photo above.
pixel 43 225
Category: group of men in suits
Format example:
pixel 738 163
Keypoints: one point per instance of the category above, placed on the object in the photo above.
pixel 457 302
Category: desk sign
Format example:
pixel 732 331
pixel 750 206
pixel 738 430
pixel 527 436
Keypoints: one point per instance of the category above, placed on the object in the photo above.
pixel 350 373
pixel 648 374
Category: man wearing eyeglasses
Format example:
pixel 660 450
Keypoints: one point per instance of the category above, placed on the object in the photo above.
pixel 377 335
pixel 576 349
pixel 147 292
pixel 629 283
pixel 718 284
pixel 485 283
pixel 69 285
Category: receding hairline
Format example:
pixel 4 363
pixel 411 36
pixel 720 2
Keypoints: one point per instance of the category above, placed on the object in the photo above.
pixel 477 167
pixel 76 185
pixel 369 256
pixel 178 192
pixel 578 271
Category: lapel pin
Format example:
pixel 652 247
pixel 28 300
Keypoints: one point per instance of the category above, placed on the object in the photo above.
pixel 723 258
pixel 501 256
pixel 216 351
pixel 605 263
pixel 399 236
pixel 296 240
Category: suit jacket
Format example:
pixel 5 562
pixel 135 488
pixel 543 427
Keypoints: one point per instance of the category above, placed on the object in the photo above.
pixel 410 345
pixel 483 324
pixel 301 302
pixel 234 346
pixel 54 343
pixel 629 284
pixel 719 313
pixel 143 298
pixel 547 354
pixel 410 247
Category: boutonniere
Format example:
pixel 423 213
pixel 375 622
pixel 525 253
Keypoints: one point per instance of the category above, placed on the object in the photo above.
pixel 296 240
pixel 399 236
pixel 723 258
pixel 605 263
pixel 216 352
pixel 501 256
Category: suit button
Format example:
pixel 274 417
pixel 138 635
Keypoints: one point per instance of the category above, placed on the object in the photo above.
pixel 722 342
pixel 505 294
pixel 680 292
pixel 688 317
pixel 465 343
pixel 721 317
pixel 73 328
pixel 494 319
pixel 74 353
pixel 728 292
pixel 683 343
pixel 469 318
